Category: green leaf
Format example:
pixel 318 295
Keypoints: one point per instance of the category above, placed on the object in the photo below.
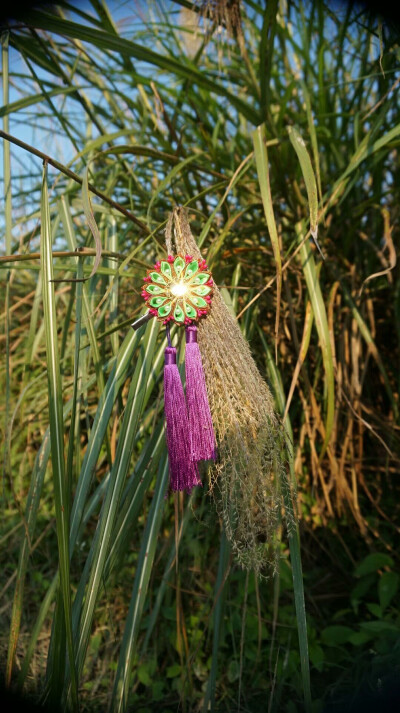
pixel 388 586
pixel 374 609
pixel 174 670
pixel 380 627
pixel 359 638
pixel 362 587
pixel 233 671
pixel 144 675
pixel 317 656
pixel 373 562
pixel 336 635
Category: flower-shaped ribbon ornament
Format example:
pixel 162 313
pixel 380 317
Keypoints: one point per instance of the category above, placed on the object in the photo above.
pixel 178 289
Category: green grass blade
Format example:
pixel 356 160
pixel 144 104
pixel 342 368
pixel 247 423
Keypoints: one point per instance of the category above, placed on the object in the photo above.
pixel 313 137
pixel 6 147
pixel 76 380
pixel 277 385
pixel 113 283
pixel 365 149
pixel 31 512
pixel 238 175
pixel 167 181
pixel 155 611
pixel 219 601
pixel 303 349
pixel 25 102
pixel 119 698
pixel 52 106
pixel 268 33
pixel 134 495
pixel 309 179
pixel 62 503
pixel 298 588
pixel 8 245
pixel 321 323
pixel 102 540
pixel 66 219
pixel 36 629
pixel 288 492
pixel 132 501
pixel 32 505
pixel 261 157
pixel 110 42
pixel 35 331
pixel 91 221
pixel 99 428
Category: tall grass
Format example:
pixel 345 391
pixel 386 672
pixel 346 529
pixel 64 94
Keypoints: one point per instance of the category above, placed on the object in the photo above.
pixel 280 139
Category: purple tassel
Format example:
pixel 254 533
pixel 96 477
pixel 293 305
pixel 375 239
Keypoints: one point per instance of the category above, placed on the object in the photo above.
pixel 183 470
pixel 200 423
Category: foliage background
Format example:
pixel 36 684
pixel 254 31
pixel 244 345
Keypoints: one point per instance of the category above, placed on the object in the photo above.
pixel 153 109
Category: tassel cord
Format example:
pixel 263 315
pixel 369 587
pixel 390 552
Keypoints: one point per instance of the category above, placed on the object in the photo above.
pixel 168 333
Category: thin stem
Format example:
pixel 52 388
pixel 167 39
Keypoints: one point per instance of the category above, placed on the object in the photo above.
pixel 80 252
pixel 168 332
pixel 75 177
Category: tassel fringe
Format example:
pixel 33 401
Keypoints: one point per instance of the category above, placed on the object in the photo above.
pixel 184 474
pixel 202 438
